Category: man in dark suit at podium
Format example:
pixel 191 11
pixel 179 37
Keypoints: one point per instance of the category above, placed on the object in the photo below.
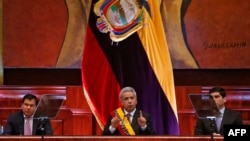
pixel 22 122
pixel 127 120
pixel 226 116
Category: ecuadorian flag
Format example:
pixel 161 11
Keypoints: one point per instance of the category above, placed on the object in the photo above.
pixel 142 61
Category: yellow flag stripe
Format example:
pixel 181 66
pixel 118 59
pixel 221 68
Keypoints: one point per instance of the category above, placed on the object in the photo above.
pixel 152 36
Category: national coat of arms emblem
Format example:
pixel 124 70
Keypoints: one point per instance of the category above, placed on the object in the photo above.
pixel 121 18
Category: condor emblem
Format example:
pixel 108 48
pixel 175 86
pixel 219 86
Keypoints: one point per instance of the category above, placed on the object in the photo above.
pixel 119 17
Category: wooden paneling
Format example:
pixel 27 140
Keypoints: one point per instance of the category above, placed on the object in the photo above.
pixel 112 138
pixel 212 77
pixel 182 77
pixel 38 76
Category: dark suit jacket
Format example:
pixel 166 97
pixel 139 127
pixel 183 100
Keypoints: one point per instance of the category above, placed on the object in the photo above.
pixel 138 131
pixel 206 126
pixel 15 125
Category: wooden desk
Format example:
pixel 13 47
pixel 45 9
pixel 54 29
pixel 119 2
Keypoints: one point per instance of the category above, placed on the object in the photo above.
pixel 110 138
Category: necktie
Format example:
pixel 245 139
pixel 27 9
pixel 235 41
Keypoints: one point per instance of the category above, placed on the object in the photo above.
pixel 129 117
pixel 218 121
pixel 27 128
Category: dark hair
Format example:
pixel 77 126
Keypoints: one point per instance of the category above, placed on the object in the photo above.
pixel 218 89
pixel 30 97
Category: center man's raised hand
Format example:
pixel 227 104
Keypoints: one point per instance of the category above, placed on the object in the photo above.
pixel 141 120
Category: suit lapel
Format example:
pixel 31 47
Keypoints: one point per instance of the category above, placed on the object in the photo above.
pixel 135 117
pixel 36 123
pixel 224 120
pixel 21 128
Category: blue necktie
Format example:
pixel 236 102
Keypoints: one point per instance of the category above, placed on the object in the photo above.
pixel 218 121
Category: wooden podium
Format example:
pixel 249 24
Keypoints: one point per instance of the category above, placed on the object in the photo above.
pixel 110 138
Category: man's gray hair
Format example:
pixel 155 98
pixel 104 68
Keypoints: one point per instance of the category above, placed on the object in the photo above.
pixel 127 89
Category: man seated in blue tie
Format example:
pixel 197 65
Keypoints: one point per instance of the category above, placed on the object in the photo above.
pixel 226 116
pixel 22 122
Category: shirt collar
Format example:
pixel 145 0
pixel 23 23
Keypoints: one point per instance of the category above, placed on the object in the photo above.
pixel 222 110
pixel 131 113
pixel 27 117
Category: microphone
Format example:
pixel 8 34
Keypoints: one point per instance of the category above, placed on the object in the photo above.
pixel 211 117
